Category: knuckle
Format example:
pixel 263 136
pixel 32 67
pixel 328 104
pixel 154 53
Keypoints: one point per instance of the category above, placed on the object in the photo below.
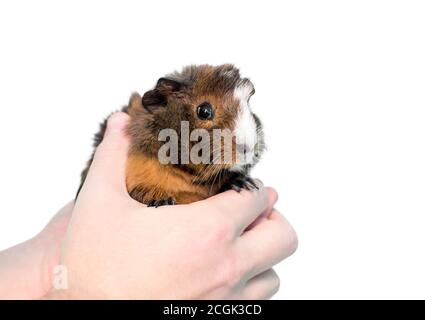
pixel 272 287
pixel 273 193
pixel 276 284
pixel 292 240
pixel 222 229
pixel 223 234
pixel 216 231
pixel 288 239
pixel 234 271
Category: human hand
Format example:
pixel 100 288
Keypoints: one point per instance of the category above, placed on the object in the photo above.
pixel 26 270
pixel 118 248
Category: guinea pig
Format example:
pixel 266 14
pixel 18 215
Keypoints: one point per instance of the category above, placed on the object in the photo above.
pixel 176 131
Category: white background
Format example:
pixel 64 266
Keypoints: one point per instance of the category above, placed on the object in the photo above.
pixel 340 89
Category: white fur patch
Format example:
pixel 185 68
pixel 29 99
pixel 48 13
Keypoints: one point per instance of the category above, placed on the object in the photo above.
pixel 245 128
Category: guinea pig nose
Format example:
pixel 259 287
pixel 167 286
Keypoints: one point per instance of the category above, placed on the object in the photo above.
pixel 243 148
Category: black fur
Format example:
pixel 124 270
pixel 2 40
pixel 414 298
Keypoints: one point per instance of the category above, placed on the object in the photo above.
pixel 238 181
pixel 162 202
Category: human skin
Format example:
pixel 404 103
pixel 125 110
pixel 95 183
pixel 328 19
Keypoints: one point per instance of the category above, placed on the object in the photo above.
pixel 26 269
pixel 116 248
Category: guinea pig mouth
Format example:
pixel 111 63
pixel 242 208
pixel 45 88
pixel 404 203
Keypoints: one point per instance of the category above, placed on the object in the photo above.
pixel 245 154
pixel 253 156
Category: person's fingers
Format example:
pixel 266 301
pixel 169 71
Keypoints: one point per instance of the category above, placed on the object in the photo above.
pixel 262 286
pixel 109 163
pixel 266 244
pixel 241 209
pixel 273 197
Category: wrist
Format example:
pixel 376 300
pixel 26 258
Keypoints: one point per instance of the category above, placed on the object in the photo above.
pixel 26 269
pixel 48 248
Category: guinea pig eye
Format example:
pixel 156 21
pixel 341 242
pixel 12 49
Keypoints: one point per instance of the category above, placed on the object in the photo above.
pixel 205 111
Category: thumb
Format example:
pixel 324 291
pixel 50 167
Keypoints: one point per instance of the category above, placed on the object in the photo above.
pixel 108 168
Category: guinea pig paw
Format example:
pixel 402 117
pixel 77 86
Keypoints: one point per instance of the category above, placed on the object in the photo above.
pixel 239 183
pixel 162 202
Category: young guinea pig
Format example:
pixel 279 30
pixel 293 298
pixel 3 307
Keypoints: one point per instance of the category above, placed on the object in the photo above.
pixel 199 99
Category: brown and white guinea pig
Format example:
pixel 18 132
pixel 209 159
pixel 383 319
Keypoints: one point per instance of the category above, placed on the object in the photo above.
pixel 203 97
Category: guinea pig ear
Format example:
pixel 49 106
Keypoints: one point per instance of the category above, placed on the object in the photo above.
pixel 154 98
pixel 158 96
pixel 168 85
pixel 135 100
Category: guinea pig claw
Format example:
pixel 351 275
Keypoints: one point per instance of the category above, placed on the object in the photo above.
pixel 162 202
pixel 240 182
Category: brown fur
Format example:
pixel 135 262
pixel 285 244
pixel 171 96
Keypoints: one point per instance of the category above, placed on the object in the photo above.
pixel 175 98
